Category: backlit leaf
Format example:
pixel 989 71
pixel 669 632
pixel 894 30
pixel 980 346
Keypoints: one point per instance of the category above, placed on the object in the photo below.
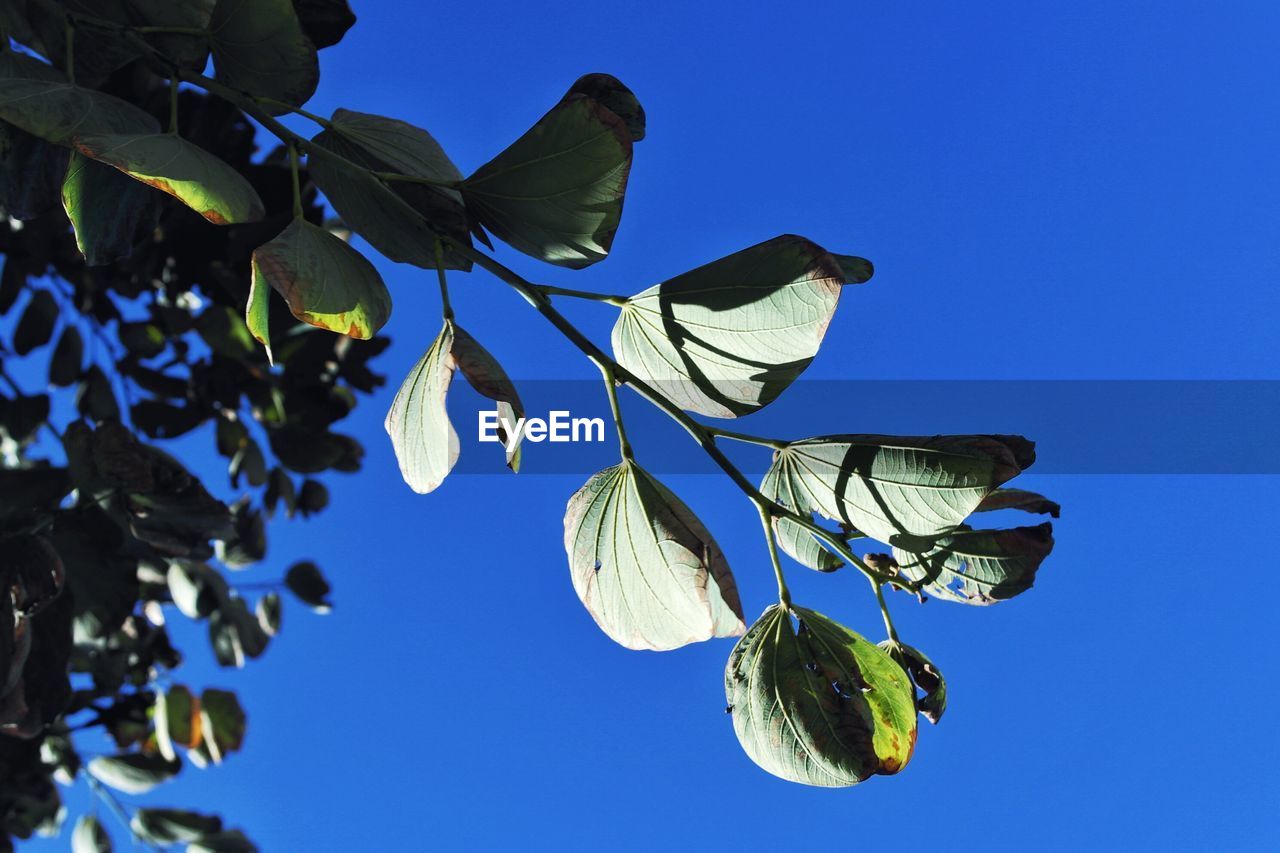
pixel 781 485
pixel 1019 499
pixel 610 92
pixel 856 270
pixel 647 570
pixel 425 442
pixel 485 375
pixel 89 836
pixel 182 169
pixel 223 723
pixel 177 720
pixel 133 772
pixel 980 566
pixel 726 338
pixel 815 703
pixel 903 490
pixel 259 47
pixel 110 212
pixel 926 677
pixel 172 826
pixel 189 51
pixel 556 193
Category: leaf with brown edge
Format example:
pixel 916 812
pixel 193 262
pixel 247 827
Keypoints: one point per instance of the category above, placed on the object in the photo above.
pixel 181 169
pixel 816 703
pixel 109 212
pixel 1019 499
pixel 980 566
pixel 325 282
pixel 486 375
pixel 644 566
pixel 925 675
pixel 177 720
pixel 611 92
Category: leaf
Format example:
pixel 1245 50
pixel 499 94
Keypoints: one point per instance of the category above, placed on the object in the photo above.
pixel 229 841
pixel 90 836
pixel 926 677
pixel 781 485
pixel 306 582
pixel 235 634
pixel 611 93
pixel 31 171
pixel 903 490
pixel 647 570
pixel 556 193
pixel 172 826
pixel 133 772
pixel 980 566
pixel 727 338
pixel 189 51
pixel 487 377
pixel 269 612
pixel 58 112
pixel 171 164
pixel 325 282
pixel 35 327
pixel 324 21
pixel 177 720
pixel 188 583
pixel 94 398
pixel 109 212
pixel 259 47
pixel 226 334
pixel 856 270
pixel 816 703
pixel 1019 499
pixel 425 443
pixel 224 723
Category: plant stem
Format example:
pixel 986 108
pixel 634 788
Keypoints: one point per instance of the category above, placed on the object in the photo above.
pixel 297 181
pixel 71 50
pixel 611 385
pixel 116 808
pixel 446 308
pixel 884 612
pixel 173 105
pixel 272 102
pixel 776 444
pixel 784 595
pixel 548 290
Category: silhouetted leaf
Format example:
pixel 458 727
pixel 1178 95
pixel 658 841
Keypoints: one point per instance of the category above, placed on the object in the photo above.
pixel 816 703
pixel 172 826
pixel 856 270
pixel 177 720
pixel 260 48
pixel 181 169
pixel 229 841
pixel 94 398
pixel 269 612
pixel 556 193
pixel 647 570
pixel 727 338
pixel 610 92
pixel 68 356
pixel 189 51
pixel 35 328
pixel 224 723
pixel 235 634
pixel 133 772
pixel 31 171
pixel 324 21
pixel 980 566
pixel 306 582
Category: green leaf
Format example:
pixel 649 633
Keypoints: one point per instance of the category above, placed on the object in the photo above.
pixel 248 461
pixel 645 567
pixel 31 171
pixel 1019 499
pixel 325 282
pixel 926 677
pixel 781 484
pixel 223 723
pixel 280 489
pixel 35 328
pixel 815 703
pixel 90 836
pixel 856 270
pixel 189 51
pixel 306 582
pixel 980 566
pixel 727 338
pixel 181 169
pixel 110 212
pixel 611 93
pixel 177 720
pixel 58 112
pixel 229 841
pixel 172 826
pixel 324 21
pixel 269 612
pixel 259 47
pixel 487 377
pixel 226 334
pixel 235 634
pixel 903 490
pixel 424 440
pixel 556 193
pixel 133 772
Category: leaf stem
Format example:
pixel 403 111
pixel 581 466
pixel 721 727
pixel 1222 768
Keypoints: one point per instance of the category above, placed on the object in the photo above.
pixel 272 102
pixel 611 299
pixel 766 518
pixel 296 181
pixel 116 808
pixel 445 307
pixel 611 385
pixel 173 105
pixel 776 444
pixel 71 50
pixel 884 612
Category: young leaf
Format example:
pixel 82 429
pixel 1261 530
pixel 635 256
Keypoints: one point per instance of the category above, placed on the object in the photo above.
pixel 556 193
pixel 90 836
pixel 172 826
pixel 109 212
pixel 818 704
pixel 133 772
pixel 424 440
pixel 903 490
pixel 182 169
pixel 259 47
pixel 726 338
pixel 781 484
pixel 647 570
pixel 980 566
pixel 325 282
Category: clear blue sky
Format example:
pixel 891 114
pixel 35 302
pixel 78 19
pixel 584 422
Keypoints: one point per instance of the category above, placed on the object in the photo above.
pixel 1070 190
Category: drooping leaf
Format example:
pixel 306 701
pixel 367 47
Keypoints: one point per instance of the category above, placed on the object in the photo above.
pixel 817 704
pixel 980 566
pixel 485 375
pixel 177 720
pixel 227 841
pixel 856 270
pixel 306 582
pixel 556 193
pixel 324 21
pixel 223 723
pixel 903 490
pixel 425 442
pixel 645 567
pixel 260 47
pixel 727 338
pixel 1019 499
pixel 325 282
pixel 110 212
pixel 926 677
pixel 172 826
pixel 35 327
pixel 610 91
pixel 781 485
pixel 90 836
pixel 188 50
pixel 181 169
pixel 133 772
pixel 58 112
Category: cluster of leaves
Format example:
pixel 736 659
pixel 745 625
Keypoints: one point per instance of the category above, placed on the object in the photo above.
pixel 812 701
pixel 123 293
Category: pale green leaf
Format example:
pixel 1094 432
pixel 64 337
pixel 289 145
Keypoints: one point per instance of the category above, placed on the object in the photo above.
pixel 781 485
pixel 325 282
pixel 815 703
pixel 133 772
pixel 485 375
pixel 645 567
pixel 727 338
pixel 556 193
pixel 172 826
pixel 980 566
pixel 259 47
pixel 903 490
pixel 182 169
pixel 425 442
pixel 177 720
pixel 925 675
pixel 110 212
pixel 90 836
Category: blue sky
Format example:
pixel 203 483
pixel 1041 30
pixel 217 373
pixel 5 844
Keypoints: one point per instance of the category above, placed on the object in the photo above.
pixel 1048 191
